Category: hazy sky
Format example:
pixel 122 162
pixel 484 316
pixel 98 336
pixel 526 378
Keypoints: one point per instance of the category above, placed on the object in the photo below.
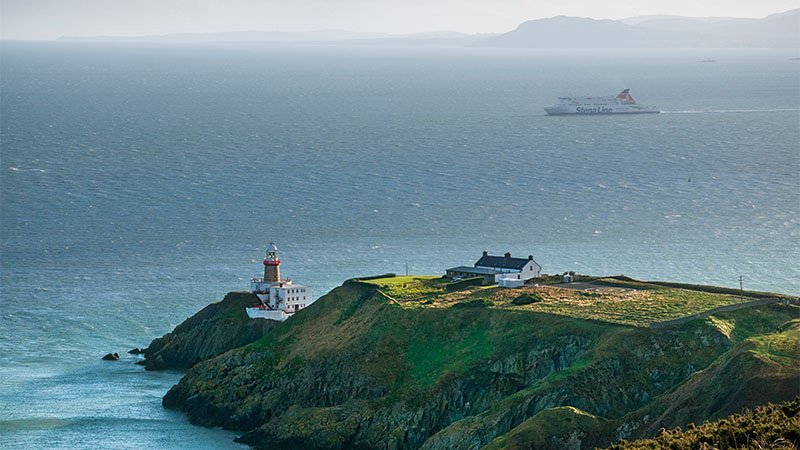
pixel 49 19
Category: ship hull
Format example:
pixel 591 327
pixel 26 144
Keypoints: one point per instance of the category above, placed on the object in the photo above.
pixel 596 111
pixel 622 103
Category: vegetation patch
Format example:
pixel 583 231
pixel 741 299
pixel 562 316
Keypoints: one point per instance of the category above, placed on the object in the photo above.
pixel 431 358
pixel 376 277
pixel 725 327
pixel 782 347
pixel 765 427
pixel 527 298
pixel 411 289
pixel 477 303
pixel 457 285
pixel 554 428
pixel 627 306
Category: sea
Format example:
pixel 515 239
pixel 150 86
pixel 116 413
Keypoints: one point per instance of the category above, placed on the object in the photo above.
pixel 141 182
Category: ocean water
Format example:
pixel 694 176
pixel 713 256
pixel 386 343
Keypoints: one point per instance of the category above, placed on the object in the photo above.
pixel 139 183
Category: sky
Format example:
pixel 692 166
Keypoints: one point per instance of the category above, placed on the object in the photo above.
pixel 50 19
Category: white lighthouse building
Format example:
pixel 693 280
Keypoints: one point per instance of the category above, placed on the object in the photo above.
pixel 280 298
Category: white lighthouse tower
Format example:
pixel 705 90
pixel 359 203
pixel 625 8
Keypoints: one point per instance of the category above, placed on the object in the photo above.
pixel 280 298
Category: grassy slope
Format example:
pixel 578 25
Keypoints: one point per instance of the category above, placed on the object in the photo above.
pixel 555 428
pixel 741 377
pixel 759 369
pixel 763 366
pixel 414 348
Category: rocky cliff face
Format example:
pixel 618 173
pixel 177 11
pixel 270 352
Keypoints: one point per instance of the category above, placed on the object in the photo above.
pixel 354 370
pixel 214 330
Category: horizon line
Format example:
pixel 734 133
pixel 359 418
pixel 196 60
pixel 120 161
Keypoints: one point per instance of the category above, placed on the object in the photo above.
pixel 384 34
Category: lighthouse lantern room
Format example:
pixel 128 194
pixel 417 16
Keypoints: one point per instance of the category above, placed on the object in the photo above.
pixel 280 298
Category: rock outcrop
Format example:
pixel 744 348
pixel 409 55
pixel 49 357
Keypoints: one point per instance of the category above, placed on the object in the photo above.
pixel 214 330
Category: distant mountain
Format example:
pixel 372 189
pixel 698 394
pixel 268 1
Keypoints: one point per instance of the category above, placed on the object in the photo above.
pixel 777 30
pixel 576 32
pixel 636 20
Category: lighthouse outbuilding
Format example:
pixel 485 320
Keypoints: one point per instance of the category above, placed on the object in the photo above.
pixel 280 297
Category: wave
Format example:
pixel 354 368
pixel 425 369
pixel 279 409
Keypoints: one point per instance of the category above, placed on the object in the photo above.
pixel 46 423
pixel 731 111
pixel 37 423
pixel 17 169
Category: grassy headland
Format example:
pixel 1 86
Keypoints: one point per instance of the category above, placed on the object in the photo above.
pixel 408 362
pixel 604 299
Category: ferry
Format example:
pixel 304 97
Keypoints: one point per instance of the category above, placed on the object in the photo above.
pixel 622 103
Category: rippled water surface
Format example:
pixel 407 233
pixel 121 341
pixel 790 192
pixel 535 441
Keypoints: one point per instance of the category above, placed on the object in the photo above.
pixel 139 183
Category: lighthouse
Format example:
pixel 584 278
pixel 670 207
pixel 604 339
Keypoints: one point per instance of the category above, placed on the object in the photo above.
pixel 280 298
pixel 272 265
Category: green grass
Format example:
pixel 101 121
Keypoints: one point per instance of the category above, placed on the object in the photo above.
pixel 400 280
pixel 553 428
pixel 429 358
pixel 781 347
pixel 410 289
pixel 637 308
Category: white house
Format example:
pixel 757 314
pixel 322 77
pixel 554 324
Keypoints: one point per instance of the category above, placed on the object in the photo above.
pixel 497 268
pixel 280 297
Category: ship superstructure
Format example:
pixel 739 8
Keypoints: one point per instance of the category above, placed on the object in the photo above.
pixel 622 103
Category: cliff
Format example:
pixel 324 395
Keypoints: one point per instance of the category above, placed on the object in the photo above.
pixel 369 366
pixel 214 330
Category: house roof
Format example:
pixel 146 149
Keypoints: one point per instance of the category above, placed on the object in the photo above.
pixel 502 262
pixel 475 270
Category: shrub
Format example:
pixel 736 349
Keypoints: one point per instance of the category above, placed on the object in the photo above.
pixel 479 303
pixel 527 299
pixel 458 285
pixel 376 277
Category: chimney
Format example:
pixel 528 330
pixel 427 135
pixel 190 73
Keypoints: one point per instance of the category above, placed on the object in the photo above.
pixel 485 253
pixel 508 254
pixel 530 257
